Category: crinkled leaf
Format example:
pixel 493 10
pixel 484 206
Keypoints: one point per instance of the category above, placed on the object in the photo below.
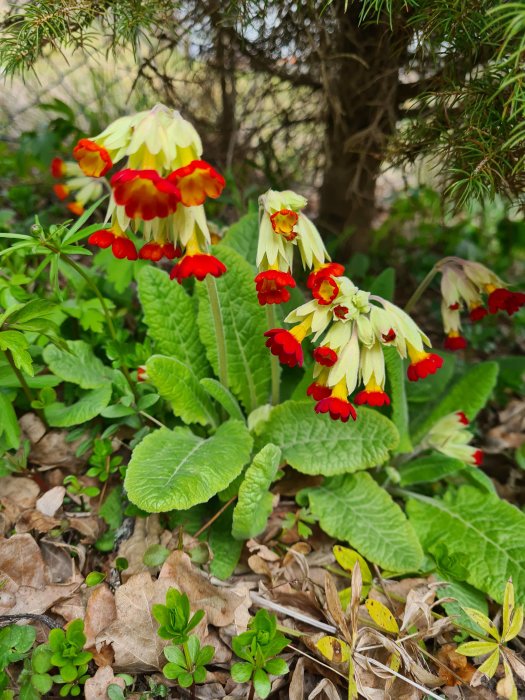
pixel 177 384
pixel 17 344
pixel 469 395
pixel 254 504
pixel 315 444
pixel 486 533
pixel 171 316
pixel 243 237
pixel 244 323
pixel 78 366
pixel 175 469
pixel 223 396
pixel 88 407
pixel 226 551
pixel 397 381
pixel 355 508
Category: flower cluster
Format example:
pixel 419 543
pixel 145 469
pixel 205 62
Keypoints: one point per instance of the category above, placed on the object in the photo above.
pixel 80 187
pixel 473 286
pixel 282 228
pixel 353 327
pixel 451 437
pixel 159 192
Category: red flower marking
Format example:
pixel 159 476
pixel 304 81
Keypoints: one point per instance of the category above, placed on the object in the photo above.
pixel 271 286
pixel 429 363
pixel 157 251
pixel 389 337
pixel 325 290
pixel 283 223
pixel 197 266
pixel 102 238
pixel 478 458
pixel 285 346
pixel 454 342
pixel 122 248
pixel 325 356
pixel 197 181
pixel 144 194
pixel 93 159
pixel 477 313
pixel 142 375
pixel 505 300
pixel 75 208
pixel 372 398
pixel 61 191
pixel 331 269
pixel 454 307
pixel 462 417
pixel 318 391
pixel 339 409
pixel 58 169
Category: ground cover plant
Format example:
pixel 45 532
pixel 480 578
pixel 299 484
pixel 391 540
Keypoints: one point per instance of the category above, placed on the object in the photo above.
pixel 233 464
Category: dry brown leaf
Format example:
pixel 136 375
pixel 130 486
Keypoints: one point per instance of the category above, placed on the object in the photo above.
pixel 59 561
pixel 89 527
pixel 101 611
pixel 33 520
pixel 458 663
pixel 418 608
pixel 259 566
pixel 72 608
pixel 147 532
pixel 21 560
pixel 296 689
pixel 20 490
pixel 325 690
pixel 39 600
pixel 50 449
pixel 96 687
pixel 51 501
pixel 334 606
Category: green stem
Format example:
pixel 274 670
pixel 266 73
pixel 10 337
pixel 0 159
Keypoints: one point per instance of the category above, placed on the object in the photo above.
pixel 251 694
pixel 189 665
pixel 107 315
pixel 24 385
pixel 215 306
pixel 416 296
pixel 274 360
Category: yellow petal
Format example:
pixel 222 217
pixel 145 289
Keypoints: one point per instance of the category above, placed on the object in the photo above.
pixel 333 649
pixel 346 558
pixel 476 648
pixel 483 621
pixel 382 616
pixel 489 666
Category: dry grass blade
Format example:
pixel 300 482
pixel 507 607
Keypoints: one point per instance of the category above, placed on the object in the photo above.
pixel 334 606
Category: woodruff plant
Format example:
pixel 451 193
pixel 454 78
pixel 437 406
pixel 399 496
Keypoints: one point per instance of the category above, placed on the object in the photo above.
pixel 214 414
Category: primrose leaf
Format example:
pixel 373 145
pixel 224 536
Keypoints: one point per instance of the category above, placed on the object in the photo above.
pixel 175 469
pixel 171 316
pixel 254 504
pixel 88 407
pixel 244 323
pixel 177 384
pixel 78 366
pixel 355 508
pixel 479 529
pixel 315 444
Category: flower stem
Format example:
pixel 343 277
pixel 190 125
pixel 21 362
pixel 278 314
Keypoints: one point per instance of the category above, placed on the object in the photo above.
pixel 107 315
pixel 215 306
pixel 421 289
pixel 24 385
pixel 274 360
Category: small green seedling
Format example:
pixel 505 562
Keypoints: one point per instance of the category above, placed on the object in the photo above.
pixel 186 659
pixel 75 488
pixel 33 680
pixel 68 656
pixel 101 464
pixel 258 647
pixel 15 643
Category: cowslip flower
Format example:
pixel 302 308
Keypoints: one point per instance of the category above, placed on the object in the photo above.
pixel 83 189
pixel 350 328
pixel 472 286
pixel 282 229
pixel 158 193
pixel 451 437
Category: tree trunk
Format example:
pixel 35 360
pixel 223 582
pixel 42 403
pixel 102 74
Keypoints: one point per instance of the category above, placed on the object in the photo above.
pixel 361 80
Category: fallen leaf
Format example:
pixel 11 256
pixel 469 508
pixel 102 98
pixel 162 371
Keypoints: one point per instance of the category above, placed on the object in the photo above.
pixel 328 689
pixel 51 501
pixel 147 532
pixel 34 521
pixel 21 560
pixel 20 490
pixel 452 661
pixel 296 689
pixel 97 686
pixel 101 611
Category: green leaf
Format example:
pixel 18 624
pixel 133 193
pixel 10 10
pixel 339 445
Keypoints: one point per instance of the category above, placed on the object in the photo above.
pixel 36 308
pixel 9 426
pixel 42 682
pixel 94 578
pixel 356 509
pixel 465 596
pixel 254 504
pixel 428 469
pixel 155 555
pixel 395 371
pixel 485 533
pixel 315 444
pixel 17 344
pixel 171 315
pixel 384 284
pixel 177 384
pixel 78 366
pixel 244 323
pixel 223 396
pixel 175 469
pixel 469 394
pixel 90 405
pixel 261 683
pixel 241 672
pixel 243 237
pixel 226 551
pixel 277 667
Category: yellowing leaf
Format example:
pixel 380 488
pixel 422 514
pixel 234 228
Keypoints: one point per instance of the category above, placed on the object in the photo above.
pixel 346 558
pixel 476 648
pixel 483 621
pixel 512 616
pixel 382 616
pixel 515 624
pixel 489 666
pixel 394 662
pixel 334 649
pixel 506 686
pixel 345 596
